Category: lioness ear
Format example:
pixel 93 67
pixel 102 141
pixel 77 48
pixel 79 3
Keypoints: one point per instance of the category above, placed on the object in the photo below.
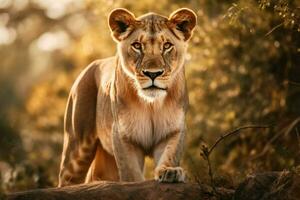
pixel 183 20
pixel 121 23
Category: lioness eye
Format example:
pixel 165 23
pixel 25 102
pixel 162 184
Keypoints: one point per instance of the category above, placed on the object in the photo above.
pixel 167 45
pixel 137 45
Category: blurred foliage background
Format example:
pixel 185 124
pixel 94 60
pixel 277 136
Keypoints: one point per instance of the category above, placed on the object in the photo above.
pixel 243 67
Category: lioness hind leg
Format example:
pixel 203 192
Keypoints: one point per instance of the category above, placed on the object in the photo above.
pixel 104 167
pixel 76 161
pixel 80 139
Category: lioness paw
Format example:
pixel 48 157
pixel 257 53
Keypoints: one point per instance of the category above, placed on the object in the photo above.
pixel 170 175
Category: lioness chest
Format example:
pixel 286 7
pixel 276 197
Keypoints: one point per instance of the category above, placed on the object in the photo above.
pixel 149 124
pixel 145 125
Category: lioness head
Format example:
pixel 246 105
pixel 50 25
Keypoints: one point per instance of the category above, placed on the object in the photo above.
pixel 152 47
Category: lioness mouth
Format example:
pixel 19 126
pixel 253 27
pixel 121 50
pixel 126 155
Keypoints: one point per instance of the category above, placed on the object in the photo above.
pixel 153 87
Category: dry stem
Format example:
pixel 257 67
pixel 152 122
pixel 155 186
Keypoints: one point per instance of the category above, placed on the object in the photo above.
pixel 205 151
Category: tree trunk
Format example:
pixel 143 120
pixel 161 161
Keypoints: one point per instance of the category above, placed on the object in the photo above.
pixel 266 186
pixel 121 191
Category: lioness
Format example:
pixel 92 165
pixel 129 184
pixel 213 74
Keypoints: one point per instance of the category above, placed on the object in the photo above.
pixel 126 107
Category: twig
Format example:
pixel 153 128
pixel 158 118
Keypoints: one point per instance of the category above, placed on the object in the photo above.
pixel 222 137
pixel 205 153
pixel 298 137
pixel 273 29
pixel 294 83
pixel 292 126
pixel 285 131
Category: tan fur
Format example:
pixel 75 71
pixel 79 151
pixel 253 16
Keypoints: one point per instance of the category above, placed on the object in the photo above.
pixel 114 118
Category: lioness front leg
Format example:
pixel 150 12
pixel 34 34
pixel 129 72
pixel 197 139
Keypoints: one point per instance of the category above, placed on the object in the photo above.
pixel 129 159
pixel 167 157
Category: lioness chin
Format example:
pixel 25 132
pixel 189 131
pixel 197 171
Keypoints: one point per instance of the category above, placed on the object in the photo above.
pixel 133 105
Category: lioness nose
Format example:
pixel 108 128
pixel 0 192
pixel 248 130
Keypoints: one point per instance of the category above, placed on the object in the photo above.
pixel 153 75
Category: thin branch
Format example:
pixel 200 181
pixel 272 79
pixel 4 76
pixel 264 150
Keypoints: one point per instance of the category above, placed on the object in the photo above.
pixel 273 29
pixel 298 137
pixel 292 126
pixel 285 131
pixel 294 83
pixel 205 153
pixel 236 131
pixel 210 172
